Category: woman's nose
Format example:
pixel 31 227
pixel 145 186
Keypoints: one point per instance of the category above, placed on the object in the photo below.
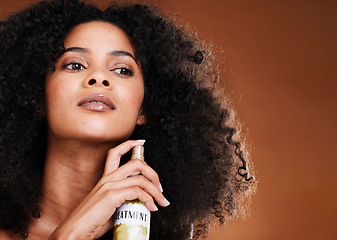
pixel 93 82
pixel 98 79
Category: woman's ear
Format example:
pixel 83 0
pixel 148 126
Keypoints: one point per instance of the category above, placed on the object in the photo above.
pixel 43 108
pixel 141 118
pixel 39 112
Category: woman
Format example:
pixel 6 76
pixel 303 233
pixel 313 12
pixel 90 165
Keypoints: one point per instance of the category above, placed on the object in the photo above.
pixel 77 84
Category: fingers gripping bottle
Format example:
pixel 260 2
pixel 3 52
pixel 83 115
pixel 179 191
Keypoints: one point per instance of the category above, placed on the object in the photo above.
pixel 132 219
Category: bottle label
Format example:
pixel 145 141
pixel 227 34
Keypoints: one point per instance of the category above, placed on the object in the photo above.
pixel 132 221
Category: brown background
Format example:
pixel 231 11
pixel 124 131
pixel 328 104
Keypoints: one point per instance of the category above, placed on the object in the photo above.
pixel 280 67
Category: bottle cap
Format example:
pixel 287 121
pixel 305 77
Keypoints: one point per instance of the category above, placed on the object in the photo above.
pixel 138 153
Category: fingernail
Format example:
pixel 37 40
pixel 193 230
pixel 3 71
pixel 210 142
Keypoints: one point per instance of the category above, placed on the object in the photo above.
pixel 141 140
pixel 155 208
pixel 161 188
pixel 166 202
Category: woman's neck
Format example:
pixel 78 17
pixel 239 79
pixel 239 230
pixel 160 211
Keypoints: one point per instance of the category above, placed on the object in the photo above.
pixel 72 169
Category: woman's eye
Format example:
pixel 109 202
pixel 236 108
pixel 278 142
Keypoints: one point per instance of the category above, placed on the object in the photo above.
pixel 74 66
pixel 123 71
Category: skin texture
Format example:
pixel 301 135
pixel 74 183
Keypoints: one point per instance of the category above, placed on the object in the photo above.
pixel 79 73
pixel 188 126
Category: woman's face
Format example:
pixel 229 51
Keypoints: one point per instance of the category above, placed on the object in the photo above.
pixel 96 90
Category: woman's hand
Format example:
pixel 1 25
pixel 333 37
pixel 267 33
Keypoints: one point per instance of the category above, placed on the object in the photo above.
pixel 92 218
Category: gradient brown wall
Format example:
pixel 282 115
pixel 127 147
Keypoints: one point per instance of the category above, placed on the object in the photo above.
pixel 280 68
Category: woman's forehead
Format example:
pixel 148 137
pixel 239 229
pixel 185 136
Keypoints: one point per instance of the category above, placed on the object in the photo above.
pixel 98 33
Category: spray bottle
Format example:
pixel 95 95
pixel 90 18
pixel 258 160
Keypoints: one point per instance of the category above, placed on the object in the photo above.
pixel 132 218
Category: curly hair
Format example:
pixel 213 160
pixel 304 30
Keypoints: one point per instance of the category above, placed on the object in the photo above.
pixel 189 124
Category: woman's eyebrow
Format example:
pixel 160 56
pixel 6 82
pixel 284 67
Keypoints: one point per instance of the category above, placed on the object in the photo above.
pixel 122 53
pixel 113 52
pixel 76 49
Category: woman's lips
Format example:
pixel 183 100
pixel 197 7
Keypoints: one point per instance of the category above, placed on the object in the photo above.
pixel 97 102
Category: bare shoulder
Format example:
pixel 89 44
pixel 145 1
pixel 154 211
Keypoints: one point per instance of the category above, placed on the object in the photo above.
pixel 7 235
